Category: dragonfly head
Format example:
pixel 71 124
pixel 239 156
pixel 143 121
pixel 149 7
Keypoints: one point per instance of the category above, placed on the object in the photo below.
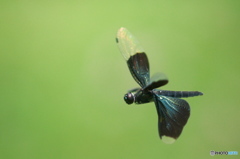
pixel 129 98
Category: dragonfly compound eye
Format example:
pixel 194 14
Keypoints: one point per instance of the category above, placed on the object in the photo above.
pixel 129 98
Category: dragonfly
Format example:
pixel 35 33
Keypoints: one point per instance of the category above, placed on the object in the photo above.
pixel 173 112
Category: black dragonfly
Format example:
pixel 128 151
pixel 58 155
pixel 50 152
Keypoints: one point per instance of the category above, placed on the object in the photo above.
pixel 173 112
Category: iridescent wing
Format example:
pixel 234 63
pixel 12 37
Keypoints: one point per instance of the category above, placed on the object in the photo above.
pixel 173 114
pixel 157 80
pixel 134 55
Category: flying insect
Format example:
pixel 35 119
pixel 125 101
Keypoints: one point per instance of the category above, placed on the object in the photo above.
pixel 173 112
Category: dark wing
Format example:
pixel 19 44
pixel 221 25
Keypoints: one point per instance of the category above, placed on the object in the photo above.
pixel 173 114
pixel 135 56
pixel 157 80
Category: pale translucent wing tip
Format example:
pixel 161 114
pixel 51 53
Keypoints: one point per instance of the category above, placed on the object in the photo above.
pixel 158 76
pixel 127 43
pixel 121 31
pixel 168 140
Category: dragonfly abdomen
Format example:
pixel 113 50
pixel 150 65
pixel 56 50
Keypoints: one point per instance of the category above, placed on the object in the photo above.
pixel 178 94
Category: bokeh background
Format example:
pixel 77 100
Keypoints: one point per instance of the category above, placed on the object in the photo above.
pixel 62 78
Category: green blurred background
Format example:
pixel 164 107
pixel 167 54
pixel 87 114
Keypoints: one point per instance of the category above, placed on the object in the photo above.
pixel 63 78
